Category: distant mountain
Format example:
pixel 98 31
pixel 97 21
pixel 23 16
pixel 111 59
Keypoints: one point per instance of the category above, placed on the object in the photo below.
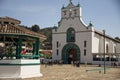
pixel 48 33
pixel 47 44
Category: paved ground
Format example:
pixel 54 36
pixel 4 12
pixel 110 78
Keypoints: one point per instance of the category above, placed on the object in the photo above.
pixel 69 72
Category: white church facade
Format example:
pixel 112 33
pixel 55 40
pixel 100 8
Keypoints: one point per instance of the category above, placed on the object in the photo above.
pixel 74 41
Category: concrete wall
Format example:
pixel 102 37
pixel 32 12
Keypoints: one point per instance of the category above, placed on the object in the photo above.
pixel 19 68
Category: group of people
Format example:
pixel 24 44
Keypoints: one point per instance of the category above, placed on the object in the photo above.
pixel 115 64
pixel 50 62
pixel 75 63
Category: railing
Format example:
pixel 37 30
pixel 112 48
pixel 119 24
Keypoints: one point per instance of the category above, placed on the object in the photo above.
pixel 14 56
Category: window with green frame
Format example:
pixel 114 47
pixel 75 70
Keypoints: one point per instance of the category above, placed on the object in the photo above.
pixel 70 35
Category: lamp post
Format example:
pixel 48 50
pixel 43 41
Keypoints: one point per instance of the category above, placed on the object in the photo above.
pixel 104 50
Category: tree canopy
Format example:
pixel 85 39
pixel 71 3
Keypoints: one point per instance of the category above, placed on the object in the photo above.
pixel 35 28
pixel 117 38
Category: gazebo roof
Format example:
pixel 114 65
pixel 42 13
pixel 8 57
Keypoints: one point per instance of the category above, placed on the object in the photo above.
pixel 19 30
pixel 9 19
pixel 16 29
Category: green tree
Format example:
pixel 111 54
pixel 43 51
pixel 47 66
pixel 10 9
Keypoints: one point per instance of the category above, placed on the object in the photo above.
pixel 35 28
pixel 117 38
pixel 48 33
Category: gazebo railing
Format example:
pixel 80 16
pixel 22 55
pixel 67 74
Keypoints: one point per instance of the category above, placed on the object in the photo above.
pixel 21 56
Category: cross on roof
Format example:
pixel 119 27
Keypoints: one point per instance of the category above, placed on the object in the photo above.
pixel 70 1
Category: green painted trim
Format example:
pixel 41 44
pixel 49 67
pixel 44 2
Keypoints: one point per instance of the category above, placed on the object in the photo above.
pixel 70 35
pixel 37 43
pixel 22 35
pixel 13 55
pixel 66 49
pixel 97 69
pixel 19 47
pixel 34 49
pixel 18 64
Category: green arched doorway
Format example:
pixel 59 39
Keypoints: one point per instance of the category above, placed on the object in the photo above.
pixel 70 52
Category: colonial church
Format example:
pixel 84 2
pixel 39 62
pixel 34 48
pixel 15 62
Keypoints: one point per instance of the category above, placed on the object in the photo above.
pixel 73 40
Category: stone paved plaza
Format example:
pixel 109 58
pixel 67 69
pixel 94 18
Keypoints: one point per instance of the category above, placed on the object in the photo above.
pixel 69 72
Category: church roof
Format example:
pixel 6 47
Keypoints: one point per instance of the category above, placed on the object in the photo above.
pixel 107 36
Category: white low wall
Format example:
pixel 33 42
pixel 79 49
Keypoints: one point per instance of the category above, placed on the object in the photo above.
pixel 21 68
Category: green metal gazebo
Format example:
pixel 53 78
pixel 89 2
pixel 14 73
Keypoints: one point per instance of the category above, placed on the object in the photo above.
pixel 14 64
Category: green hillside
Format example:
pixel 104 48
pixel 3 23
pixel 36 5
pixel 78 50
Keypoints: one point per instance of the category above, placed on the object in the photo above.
pixel 48 33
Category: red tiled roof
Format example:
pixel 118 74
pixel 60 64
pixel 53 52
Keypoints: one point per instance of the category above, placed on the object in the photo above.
pixel 49 52
pixel 11 29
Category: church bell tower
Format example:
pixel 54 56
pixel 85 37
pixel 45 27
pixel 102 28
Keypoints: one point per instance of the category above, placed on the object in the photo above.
pixel 71 11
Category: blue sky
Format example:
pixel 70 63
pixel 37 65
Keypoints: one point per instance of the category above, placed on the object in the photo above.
pixel 104 14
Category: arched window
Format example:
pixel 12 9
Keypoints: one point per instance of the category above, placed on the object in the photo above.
pixel 70 35
pixel 114 49
pixel 107 49
pixel 85 43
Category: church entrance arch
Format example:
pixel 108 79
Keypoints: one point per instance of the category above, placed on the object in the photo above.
pixel 70 53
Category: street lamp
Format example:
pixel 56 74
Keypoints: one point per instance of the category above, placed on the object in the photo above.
pixel 104 50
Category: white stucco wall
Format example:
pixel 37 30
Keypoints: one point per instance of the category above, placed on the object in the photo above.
pixel 61 39
pixel 82 34
pixel 118 48
pixel 95 43
pixel 98 44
